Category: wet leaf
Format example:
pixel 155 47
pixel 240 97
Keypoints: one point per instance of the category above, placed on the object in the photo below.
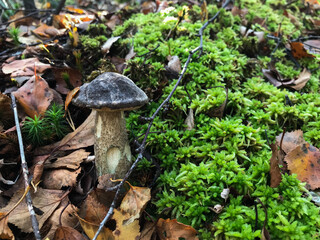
pixel 173 230
pixel 305 162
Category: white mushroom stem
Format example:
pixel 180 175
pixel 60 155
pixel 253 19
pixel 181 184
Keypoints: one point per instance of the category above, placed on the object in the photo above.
pixel 112 150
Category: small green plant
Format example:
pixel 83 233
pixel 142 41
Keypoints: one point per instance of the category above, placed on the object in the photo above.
pixel 41 130
pixel 14 34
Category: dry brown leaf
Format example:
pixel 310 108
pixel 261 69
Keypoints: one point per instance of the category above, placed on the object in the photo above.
pixel 24 67
pixel 147 231
pixel 35 96
pixel 44 31
pixel 302 80
pixel 58 178
pixel 70 96
pixel 71 161
pixel 298 51
pixel 135 201
pixel 125 230
pixel 93 211
pixel 44 201
pixel 290 140
pixel 148 7
pixel 68 218
pixel 5 231
pixel 6 116
pixel 304 161
pixel 274 166
pixel 67 233
pixel 173 230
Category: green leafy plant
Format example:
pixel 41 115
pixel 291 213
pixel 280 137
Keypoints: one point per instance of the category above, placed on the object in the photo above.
pixel 41 130
pixel 14 34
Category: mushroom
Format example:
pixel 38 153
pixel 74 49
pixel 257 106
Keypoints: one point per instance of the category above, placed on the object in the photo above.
pixel 110 94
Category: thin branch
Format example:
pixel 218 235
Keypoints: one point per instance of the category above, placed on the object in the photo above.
pixel 141 149
pixel 34 221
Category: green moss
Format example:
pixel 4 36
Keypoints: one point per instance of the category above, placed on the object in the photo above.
pixel 230 152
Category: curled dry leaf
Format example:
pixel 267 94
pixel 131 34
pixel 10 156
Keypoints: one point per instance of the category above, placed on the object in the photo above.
pixel 108 44
pixel 35 96
pixel 173 230
pixel 302 80
pixel 305 162
pixel 5 231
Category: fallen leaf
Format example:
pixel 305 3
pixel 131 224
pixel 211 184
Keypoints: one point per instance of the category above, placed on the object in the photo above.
pixel 24 67
pixel 6 116
pixel 274 76
pixel 174 64
pixel 45 32
pixel 302 80
pixel 66 213
pixel 67 233
pixel 148 7
pixel 70 96
pixel 135 201
pixel 44 202
pixel 173 230
pixel 5 231
pixel 125 230
pixel 108 44
pixel 71 161
pixel 305 162
pixel 298 51
pixel 148 230
pixel 190 120
pixel 265 234
pixel 59 178
pixel 66 79
pixel 290 140
pixel 275 173
pixel 35 96
pixel 312 46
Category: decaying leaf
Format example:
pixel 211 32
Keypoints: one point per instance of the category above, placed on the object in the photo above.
pixel 305 162
pixel 173 230
pixel 71 161
pixel 90 229
pixel 68 233
pixel 274 166
pixel 35 96
pixel 302 80
pixel 6 116
pixel 135 201
pixel 59 178
pixel 290 140
pixel 65 212
pixel 66 79
pixel 44 202
pixel 275 78
pixel 125 230
pixel 70 96
pixel 24 67
pixel 298 51
pixel 108 44
pixel 190 120
pixel 5 231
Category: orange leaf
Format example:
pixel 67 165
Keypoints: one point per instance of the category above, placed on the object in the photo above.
pixel 5 231
pixel 173 230
pixel 45 31
pixel 298 51
pixel 34 96
pixel 70 96
pixel 69 233
pixel 304 161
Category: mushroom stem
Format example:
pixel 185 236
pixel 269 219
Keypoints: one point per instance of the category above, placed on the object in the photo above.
pixel 112 150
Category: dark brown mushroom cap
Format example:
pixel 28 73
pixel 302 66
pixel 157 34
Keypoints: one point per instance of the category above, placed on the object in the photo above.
pixel 112 91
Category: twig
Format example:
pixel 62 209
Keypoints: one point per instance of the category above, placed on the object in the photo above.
pixel 34 221
pixel 141 149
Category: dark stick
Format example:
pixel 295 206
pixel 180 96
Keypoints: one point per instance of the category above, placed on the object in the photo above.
pixel 24 166
pixel 141 149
